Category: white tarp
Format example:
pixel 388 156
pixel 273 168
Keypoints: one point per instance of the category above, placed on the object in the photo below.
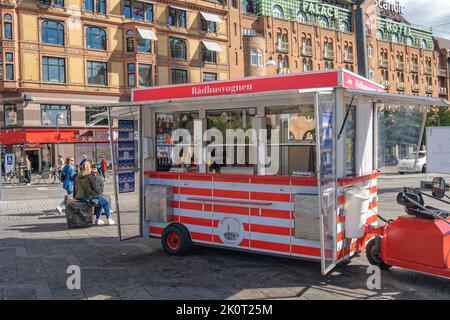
pixel 438 150
pixel 211 17
pixel 212 46
pixel 147 34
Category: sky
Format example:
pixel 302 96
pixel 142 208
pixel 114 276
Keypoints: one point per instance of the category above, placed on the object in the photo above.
pixel 434 13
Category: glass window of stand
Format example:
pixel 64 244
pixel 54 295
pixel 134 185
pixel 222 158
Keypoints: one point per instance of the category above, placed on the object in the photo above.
pixel 224 120
pixel 165 124
pixel 297 132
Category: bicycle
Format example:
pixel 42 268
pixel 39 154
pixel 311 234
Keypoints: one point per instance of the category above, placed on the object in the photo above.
pixel 47 176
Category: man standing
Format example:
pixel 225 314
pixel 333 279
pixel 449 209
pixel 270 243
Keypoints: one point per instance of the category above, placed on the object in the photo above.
pixel 27 164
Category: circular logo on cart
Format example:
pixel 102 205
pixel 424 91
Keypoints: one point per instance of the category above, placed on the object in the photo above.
pixel 231 231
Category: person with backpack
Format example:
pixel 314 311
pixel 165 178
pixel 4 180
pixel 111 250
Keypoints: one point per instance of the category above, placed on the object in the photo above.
pixel 103 167
pixel 67 178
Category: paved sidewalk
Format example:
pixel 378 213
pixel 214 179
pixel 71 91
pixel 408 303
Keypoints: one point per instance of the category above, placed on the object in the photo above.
pixel 36 249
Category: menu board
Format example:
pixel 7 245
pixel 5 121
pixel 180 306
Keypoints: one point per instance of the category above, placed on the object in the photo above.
pixel 127 156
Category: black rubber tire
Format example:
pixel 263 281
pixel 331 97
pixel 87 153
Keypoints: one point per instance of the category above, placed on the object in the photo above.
pixel 424 168
pixel 185 242
pixel 373 250
pixel 402 173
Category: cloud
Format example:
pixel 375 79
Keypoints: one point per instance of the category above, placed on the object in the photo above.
pixel 429 13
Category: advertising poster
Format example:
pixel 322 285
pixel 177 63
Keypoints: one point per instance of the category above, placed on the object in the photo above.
pixel 126 156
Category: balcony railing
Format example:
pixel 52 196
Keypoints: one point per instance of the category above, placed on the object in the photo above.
pixel 415 87
pixel 427 70
pixel 400 65
pixel 414 68
pixel 328 54
pixel 386 84
pixel 384 63
pixel 283 47
pixel 307 51
pixel 348 57
pixel 443 91
pixel 284 70
pixel 429 89
pixel 442 72
pixel 401 86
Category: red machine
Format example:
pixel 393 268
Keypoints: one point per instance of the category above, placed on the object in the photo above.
pixel 419 241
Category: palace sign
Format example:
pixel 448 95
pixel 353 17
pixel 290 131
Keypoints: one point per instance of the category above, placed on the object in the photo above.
pixel 318 9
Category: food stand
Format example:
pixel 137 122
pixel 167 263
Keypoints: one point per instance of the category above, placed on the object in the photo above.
pixel 319 128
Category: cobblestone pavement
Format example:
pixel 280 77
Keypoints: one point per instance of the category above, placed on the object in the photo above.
pixel 36 249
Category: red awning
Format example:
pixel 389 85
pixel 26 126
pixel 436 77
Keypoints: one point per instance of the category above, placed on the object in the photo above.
pixel 28 136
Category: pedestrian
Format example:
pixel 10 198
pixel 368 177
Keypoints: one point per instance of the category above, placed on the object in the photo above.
pixel 60 165
pixel 27 164
pixel 103 167
pixel 68 174
pixel 83 161
pixel 87 189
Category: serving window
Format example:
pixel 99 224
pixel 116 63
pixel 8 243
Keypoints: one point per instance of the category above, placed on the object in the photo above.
pixel 165 124
pixel 297 135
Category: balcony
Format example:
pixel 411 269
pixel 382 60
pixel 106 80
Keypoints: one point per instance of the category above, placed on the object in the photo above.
pixel 443 91
pixel 442 72
pixel 283 47
pixel 349 57
pixel 415 88
pixel 428 70
pixel 307 51
pixel 400 65
pixel 429 89
pixel 386 84
pixel 384 63
pixel 401 86
pixel 328 54
pixel 415 68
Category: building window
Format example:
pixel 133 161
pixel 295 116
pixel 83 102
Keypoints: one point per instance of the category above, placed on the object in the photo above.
pixel 90 112
pixel 95 38
pixel 178 49
pixel 208 26
pixel 97 73
pixel 145 75
pixel 278 12
pixel 370 51
pixel 209 55
pixel 131 71
pixel 56 3
pixel 394 38
pixel 209 76
pixel 138 10
pixel 98 6
pixel 301 17
pixel 379 34
pixel 7 27
pixel 9 67
pixel 410 41
pixel 424 44
pixel 55 115
pixel 371 74
pixel 256 58
pixel 144 45
pixel 344 27
pixel 307 64
pixel 179 76
pixel 177 17
pixel 323 22
pixel 52 32
pixel 10 115
pixel 54 69
pixel 130 41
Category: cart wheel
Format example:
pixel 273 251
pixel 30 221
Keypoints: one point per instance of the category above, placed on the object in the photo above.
pixel 176 240
pixel 373 250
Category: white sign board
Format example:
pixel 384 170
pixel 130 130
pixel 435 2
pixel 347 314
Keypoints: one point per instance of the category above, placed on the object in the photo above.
pixel 438 150
pixel 9 162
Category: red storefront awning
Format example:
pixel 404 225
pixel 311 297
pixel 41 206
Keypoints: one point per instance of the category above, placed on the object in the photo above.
pixel 31 136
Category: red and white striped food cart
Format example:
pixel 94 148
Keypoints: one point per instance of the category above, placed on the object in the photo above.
pixel 327 152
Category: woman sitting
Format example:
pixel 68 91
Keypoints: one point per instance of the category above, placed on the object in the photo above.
pixel 87 187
